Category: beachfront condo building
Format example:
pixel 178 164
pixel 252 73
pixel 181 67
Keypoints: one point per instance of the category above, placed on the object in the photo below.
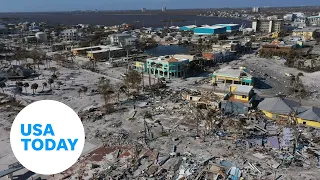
pixel 164 66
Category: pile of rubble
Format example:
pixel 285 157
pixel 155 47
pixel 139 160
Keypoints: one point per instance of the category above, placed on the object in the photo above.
pixel 9 107
pixel 172 138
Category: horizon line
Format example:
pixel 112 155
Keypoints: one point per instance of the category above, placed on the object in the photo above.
pixel 153 9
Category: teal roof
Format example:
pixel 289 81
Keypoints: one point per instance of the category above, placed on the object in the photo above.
pixel 314 17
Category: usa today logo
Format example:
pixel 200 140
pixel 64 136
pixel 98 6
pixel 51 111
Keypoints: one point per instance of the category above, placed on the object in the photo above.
pixel 47 137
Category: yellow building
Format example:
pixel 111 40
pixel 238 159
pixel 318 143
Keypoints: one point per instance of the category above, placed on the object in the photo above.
pixel 99 52
pixel 277 107
pixel 228 75
pixel 310 117
pixel 305 33
pixel 240 93
pixel 275 35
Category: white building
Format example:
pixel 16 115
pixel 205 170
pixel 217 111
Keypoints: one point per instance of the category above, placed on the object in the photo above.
pixel 164 9
pixel 293 16
pixel 122 39
pixel 3 28
pixel 288 17
pixel 300 22
pixel 267 26
pixel 314 20
pixel 70 35
pixel 256 9
pixel 299 14
pixel 42 36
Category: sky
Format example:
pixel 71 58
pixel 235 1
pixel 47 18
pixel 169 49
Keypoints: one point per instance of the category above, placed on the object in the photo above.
pixel 70 5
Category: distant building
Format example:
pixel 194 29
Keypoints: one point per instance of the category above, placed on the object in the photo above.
pixel 267 26
pixel 3 29
pixel 256 9
pixel 143 9
pixel 210 30
pixel 164 9
pixel 288 17
pixel 273 17
pixel 70 35
pixel 299 14
pixel 230 27
pixel 99 52
pixel 30 39
pixel 42 36
pixel 122 39
pixel 305 33
pixel 293 16
pixel 314 20
pixel 188 28
pixel 299 22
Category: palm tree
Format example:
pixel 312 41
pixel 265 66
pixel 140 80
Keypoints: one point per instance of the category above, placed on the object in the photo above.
pixel 36 56
pixel 53 70
pixel 2 85
pixel 79 91
pixel 84 89
pixel 59 83
pixel 54 76
pixel 19 84
pixel 50 82
pixel 58 58
pixel 34 87
pixel 44 85
pixel 106 89
pixel 26 85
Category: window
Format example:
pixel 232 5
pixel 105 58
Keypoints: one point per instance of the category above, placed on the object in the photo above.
pixel 244 96
pixel 274 116
pixel 304 122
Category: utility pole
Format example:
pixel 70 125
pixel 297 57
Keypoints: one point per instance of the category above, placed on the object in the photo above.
pixel 149 77
pixel 127 60
pixel 142 79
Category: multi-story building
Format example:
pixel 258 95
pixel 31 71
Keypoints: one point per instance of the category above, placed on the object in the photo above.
pixel 300 22
pixel 210 30
pixel 164 66
pixel 268 26
pixel 314 20
pixel 164 9
pixel 3 29
pixel 99 52
pixel 70 35
pixel 256 9
pixel 293 16
pixel 143 9
pixel 122 40
pixel 305 33
pixel 288 17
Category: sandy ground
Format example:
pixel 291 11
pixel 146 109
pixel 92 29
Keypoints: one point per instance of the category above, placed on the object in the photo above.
pixel 272 74
pixel 116 129
pixel 72 80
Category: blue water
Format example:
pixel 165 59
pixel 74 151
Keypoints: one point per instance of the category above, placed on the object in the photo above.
pixel 167 50
pixel 101 18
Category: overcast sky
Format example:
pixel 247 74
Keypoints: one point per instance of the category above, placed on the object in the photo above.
pixel 66 5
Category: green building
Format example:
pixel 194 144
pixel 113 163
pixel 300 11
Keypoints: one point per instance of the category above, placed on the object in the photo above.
pixel 164 66
pixel 227 75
